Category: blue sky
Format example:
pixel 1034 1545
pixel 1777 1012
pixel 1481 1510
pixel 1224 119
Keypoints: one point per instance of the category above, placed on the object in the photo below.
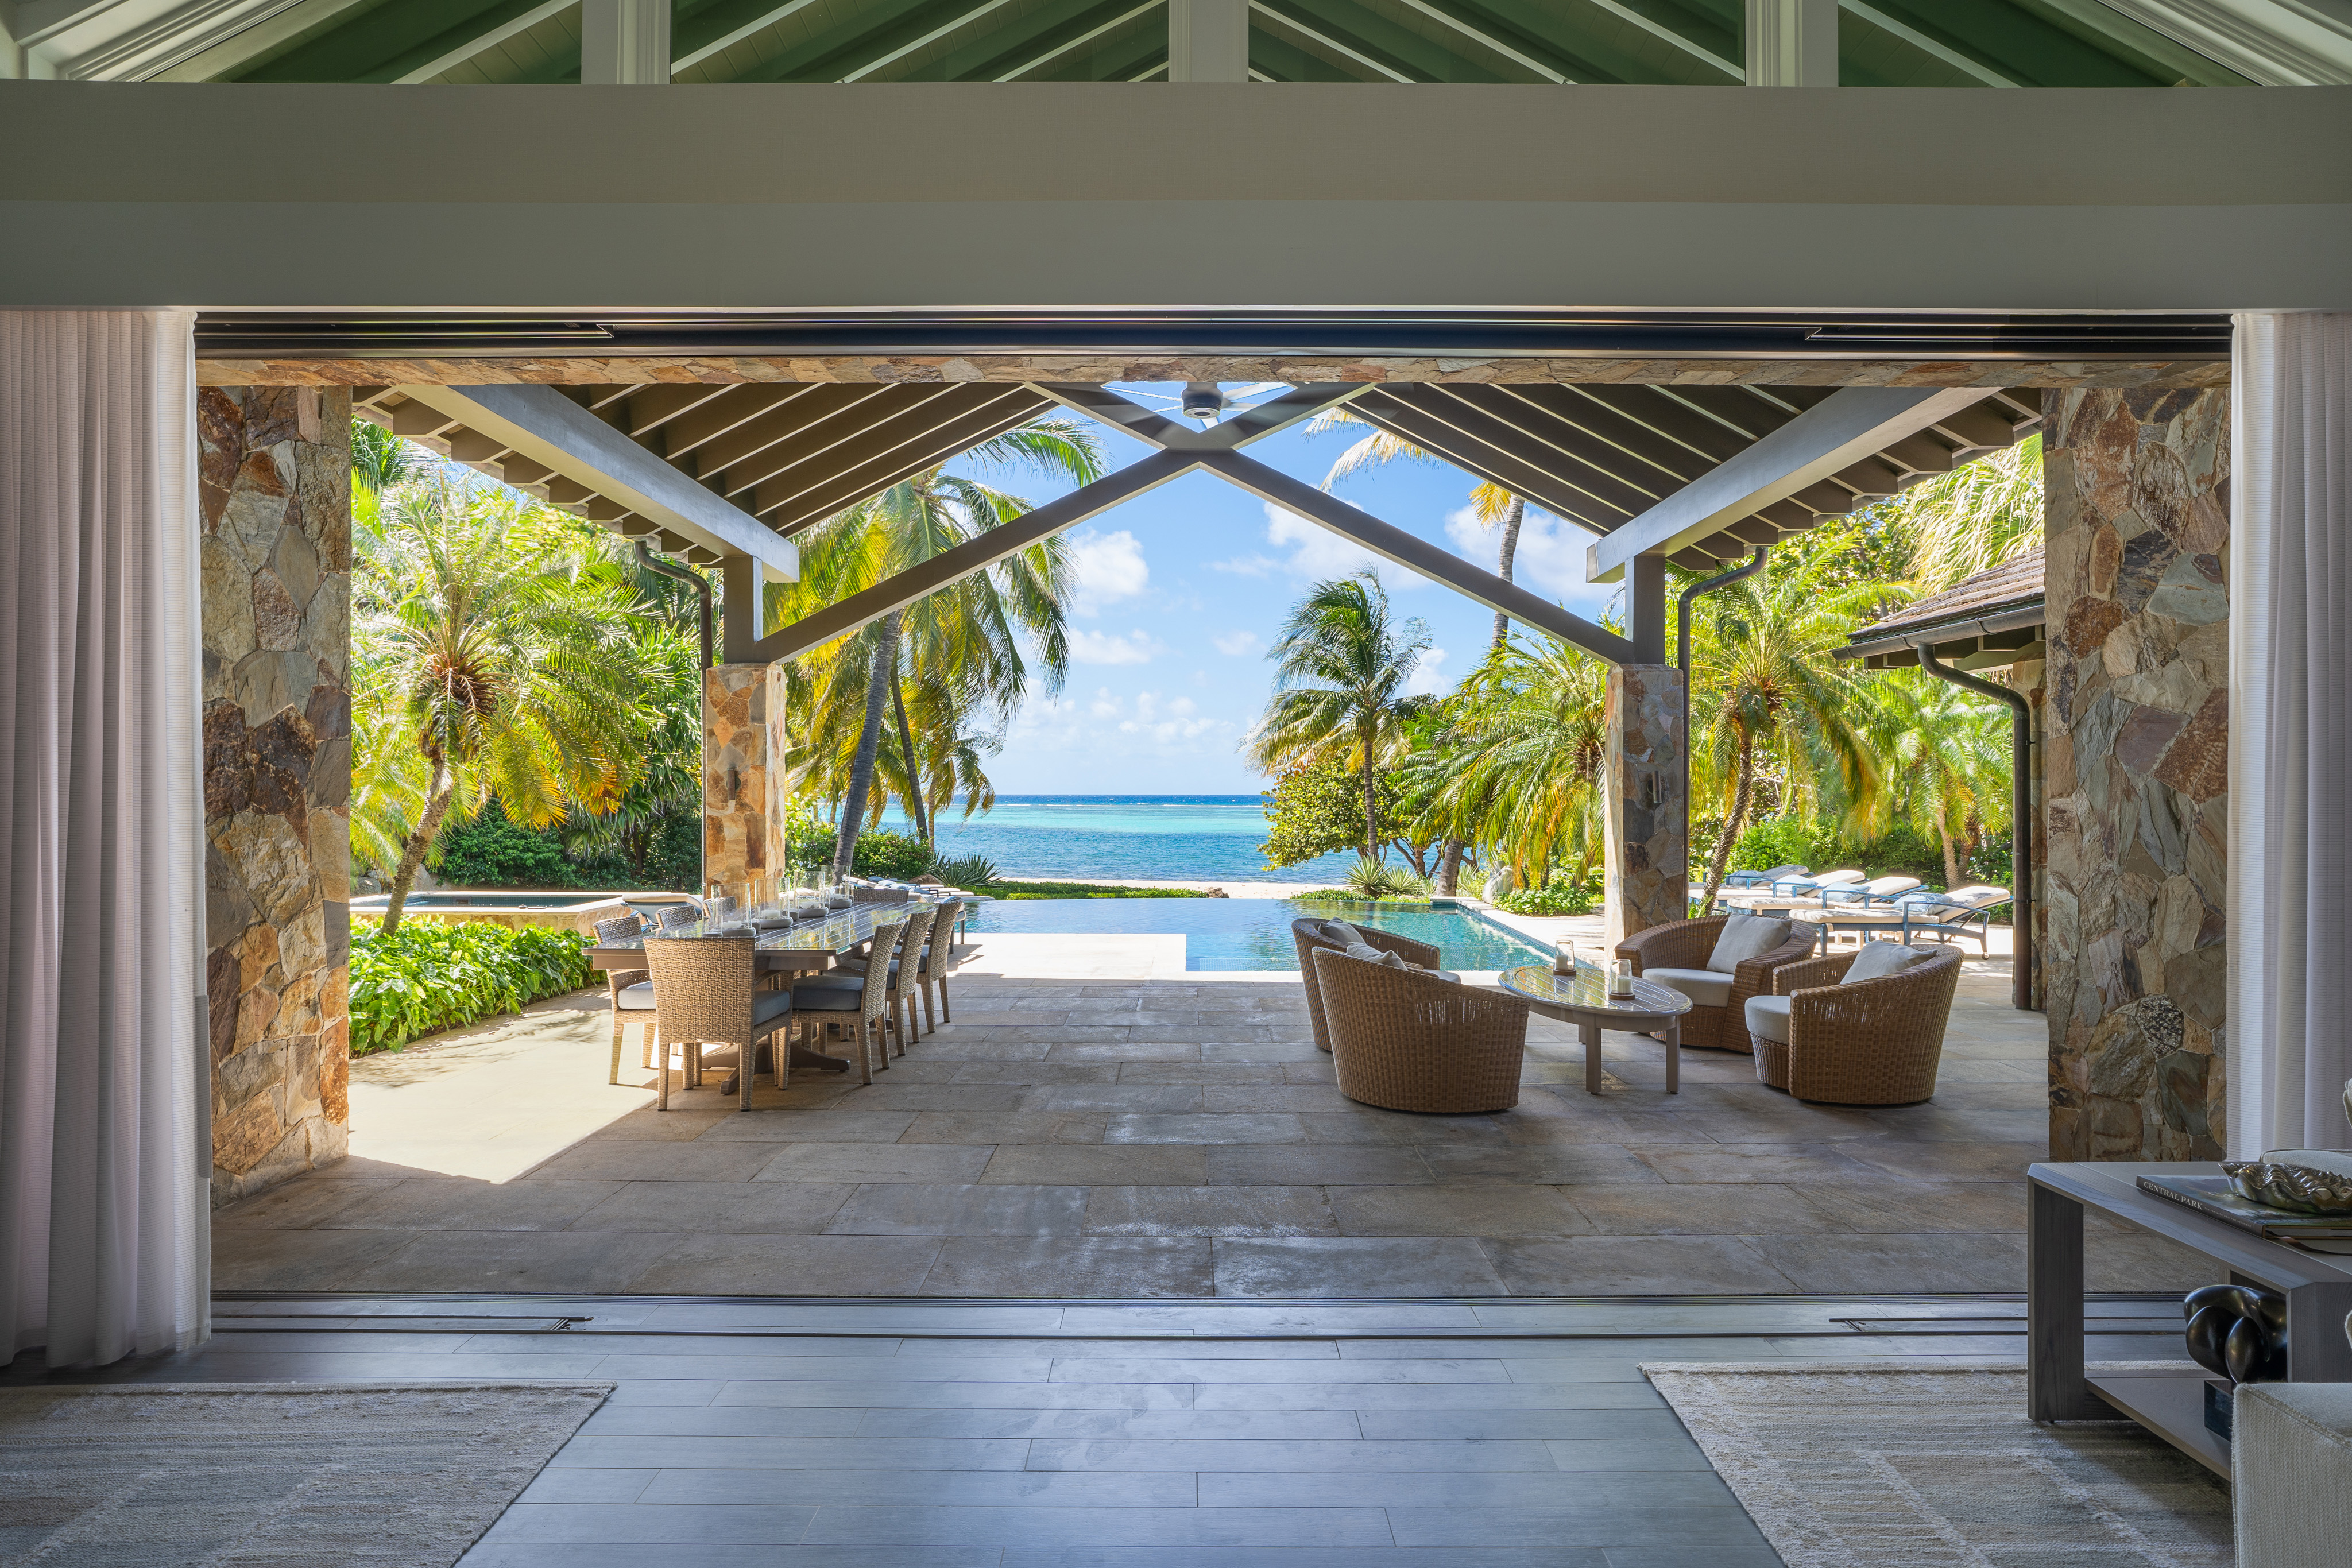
pixel 1182 589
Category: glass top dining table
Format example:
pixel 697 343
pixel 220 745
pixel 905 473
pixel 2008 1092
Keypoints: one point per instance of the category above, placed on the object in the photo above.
pixel 808 945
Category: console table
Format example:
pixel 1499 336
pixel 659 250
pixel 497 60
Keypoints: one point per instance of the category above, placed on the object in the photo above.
pixel 2317 1288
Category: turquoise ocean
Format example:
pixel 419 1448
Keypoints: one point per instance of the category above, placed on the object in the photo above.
pixel 1205 838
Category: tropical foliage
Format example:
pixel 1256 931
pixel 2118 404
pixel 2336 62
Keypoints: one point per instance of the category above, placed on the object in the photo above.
pixel 427 976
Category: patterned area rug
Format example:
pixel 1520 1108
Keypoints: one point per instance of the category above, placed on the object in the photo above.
pixel 1894 1465
pixel 241 1475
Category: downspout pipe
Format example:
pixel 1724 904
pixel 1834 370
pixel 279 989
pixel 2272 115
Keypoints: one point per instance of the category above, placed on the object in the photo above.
pixel 2020 811
pixel 694 579
pixel 1683 658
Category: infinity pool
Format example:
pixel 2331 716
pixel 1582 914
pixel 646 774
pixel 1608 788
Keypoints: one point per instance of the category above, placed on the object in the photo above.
pixel 1255 932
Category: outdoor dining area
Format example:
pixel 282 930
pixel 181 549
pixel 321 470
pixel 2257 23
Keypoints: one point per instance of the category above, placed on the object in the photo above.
pixel 760 981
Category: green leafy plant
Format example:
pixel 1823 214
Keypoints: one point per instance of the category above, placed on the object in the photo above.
pixel 1318 809
pixel 1369 878
pixel 1083 890
pixel 898 856
pixel 966 871
pixel 427 976
pixel 1563 894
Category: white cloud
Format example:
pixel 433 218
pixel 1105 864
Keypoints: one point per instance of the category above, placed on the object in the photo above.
pixel 1317 554
pixel 1108 648
pixel 1238 643
pixel 1247 565
pixel 1104 705
pixel 1109 567
pixel 1165 719
pixel 1550 557
pixel 1427 679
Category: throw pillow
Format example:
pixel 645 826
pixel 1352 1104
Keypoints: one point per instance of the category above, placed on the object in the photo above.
pixel 1342 933
pixel 1746 936
pixel 1879 959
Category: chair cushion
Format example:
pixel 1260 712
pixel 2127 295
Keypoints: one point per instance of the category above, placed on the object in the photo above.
pixel 1745 937
pixel 1707 988
pixel 1767 1017
pixel 1340 931
pixel 638 997
pixel 769 1006
pixel 1387 960
pixel 1879 959
pixel 837 994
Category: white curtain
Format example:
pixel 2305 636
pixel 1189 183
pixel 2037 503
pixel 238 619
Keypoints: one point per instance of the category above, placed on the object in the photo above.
pixel 104 1151
pixel 2290 1008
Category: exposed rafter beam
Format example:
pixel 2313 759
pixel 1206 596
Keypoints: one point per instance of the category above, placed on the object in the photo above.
pixel 1834 435
pixel 1447 17
pixel 1345 51
pixel 2277 43
pixel 719 28
pixel 545 426
pixel 1930 45
pixel 1051 52
pixel 1736 70
pixel 487 39
pixel 932 35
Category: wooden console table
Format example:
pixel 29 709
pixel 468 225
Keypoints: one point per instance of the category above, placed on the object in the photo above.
pixel 2317 1288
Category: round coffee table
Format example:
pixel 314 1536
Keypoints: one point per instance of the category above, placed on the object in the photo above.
pixel 1583 1000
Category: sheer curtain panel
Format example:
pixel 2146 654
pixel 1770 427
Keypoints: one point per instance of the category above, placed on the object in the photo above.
pixel 104 1157
pixel 2290 1007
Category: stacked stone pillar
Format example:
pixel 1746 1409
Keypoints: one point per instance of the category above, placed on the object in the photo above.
pixel 1647 850
pixel 735 759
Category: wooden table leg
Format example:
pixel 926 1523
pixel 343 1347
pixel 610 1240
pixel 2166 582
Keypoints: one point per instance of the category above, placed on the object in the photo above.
pixel 1590 1032
pixel 2054 1388
pixel 1674 1054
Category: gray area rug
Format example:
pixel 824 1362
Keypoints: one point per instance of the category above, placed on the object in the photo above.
pixel 1895 1465
pixel 361 1475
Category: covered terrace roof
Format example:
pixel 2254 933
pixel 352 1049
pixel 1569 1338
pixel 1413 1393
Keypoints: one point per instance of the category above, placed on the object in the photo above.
pixel 1984 622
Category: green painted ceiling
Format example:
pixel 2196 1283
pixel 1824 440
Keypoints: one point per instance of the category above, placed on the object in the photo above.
pixel 1882 43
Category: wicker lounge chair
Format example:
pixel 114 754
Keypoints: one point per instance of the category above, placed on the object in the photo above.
pixel 1408 1041
pixel 706 996
pixel 1867 1042
pixel 1309 937
pixel 1684 945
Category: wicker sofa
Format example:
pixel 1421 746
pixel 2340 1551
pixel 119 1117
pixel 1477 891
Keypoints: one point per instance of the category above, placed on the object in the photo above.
pixel 1309 936
pixel 1874 1042
pixel 1407 1041
pixel 1685 944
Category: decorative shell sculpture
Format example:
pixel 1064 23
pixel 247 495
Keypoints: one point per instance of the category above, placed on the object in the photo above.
pixel 2300 1189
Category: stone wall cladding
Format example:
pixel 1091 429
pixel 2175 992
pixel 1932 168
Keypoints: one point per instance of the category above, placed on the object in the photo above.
pixel 274 479
pixel 2135 771
pixel 1647 851
pixel 734 774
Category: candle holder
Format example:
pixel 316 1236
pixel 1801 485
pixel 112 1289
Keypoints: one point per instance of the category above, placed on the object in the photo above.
pixel 1620 980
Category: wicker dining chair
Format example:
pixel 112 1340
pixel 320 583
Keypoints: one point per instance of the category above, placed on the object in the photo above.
pixel 631 991
pixel 847 999
pixel 1308 935
pixel 674 916
pixel 1408 1041
pixel 704 996
pixel 936 962
pixel 1871 1042
pixel 1686 945
pixel 905 973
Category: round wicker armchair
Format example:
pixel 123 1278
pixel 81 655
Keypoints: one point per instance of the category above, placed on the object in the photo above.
pixel 1874 1042
pixel 1413 1042
pixel 1685 944
pixel 1309 936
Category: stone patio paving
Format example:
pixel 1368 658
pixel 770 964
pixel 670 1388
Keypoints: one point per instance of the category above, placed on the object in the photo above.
pixel 1097 1123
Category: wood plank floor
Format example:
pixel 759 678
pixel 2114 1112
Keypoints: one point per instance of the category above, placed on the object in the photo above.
pixel 912 1434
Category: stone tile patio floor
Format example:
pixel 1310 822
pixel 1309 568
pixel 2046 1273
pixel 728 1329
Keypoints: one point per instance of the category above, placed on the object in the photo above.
pixel 1160 1137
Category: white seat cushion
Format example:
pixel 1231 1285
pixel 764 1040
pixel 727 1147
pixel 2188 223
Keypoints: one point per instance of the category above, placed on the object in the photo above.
pixel 1745 937
pixel 1707 988
pixel 1879 959
pixel 638 997
pixel 1767 1017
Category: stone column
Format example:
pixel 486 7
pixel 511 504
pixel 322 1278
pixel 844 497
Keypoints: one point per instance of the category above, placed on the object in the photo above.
pixel 734 774
pixel 1647 819
pixel 275 487
pixel 780 773
pixel 2136 770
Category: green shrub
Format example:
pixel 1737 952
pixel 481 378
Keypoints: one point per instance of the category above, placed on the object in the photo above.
pixel 1083 890
pixel 966 871
pixel 1994 864
pixel 430 976
pixel 1369 878
pixel 491 851
pixel 1563 894
pixel 883 854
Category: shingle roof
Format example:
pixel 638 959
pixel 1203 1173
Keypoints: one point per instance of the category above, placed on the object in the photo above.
pixel 2012 585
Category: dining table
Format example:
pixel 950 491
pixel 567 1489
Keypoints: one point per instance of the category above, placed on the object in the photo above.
pixel 786 945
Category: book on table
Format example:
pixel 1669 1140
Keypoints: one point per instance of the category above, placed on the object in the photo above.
pixel 2214 1195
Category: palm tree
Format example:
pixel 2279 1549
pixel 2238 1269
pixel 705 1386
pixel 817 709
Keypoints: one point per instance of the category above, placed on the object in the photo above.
pixel 1979 515
pixel 518 678
pixel 967 635
pixel 1341 667
pixel 1517 766
pixel 1766 692
pixel 1945 756
pixel 1492 506
pixel 380 460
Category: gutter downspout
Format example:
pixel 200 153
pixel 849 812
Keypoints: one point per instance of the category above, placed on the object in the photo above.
pixel 2021 813
pixel 1683 658
pixel 694 579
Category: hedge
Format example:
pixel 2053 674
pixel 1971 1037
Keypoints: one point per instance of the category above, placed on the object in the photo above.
pixel 430 974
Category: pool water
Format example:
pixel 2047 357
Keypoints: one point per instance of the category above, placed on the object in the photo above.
pixel 1255 932
pixel 484 901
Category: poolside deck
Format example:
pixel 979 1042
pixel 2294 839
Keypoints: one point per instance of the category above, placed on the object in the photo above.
pixel 1099 1122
